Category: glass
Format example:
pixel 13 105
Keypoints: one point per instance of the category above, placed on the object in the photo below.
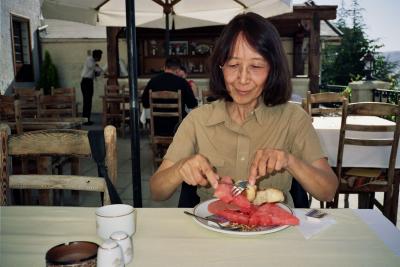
pixel 253 69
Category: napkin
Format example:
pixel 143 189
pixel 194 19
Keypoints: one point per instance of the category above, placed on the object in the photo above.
pixel 311 228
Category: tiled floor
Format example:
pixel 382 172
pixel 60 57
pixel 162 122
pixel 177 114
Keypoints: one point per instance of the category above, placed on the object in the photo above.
pixel 124 182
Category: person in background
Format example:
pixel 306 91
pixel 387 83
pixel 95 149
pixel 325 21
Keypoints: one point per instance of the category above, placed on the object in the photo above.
pixel 252 132
pixel 90 71
pixel 183 73
pixel 169 81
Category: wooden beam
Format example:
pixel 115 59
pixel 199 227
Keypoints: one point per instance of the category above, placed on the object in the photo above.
pixel 112 54
pixel 298 61
pixel 314 54
pixel 306 12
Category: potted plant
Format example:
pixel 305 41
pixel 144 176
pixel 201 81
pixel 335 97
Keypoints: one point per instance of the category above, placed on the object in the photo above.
pixel 48 75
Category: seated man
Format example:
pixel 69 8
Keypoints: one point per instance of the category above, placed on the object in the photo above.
pixel 169 81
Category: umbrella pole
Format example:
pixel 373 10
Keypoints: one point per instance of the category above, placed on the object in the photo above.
pixel 167 34
pixel 134 104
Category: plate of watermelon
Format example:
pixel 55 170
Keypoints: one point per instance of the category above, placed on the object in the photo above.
pixel 264 219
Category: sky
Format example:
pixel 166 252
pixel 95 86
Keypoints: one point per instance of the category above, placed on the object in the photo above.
pixel 381 18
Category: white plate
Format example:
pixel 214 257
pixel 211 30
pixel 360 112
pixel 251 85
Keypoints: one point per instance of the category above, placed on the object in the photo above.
pixel 202 210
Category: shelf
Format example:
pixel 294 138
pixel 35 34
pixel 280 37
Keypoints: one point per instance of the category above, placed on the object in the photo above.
pixel 194 53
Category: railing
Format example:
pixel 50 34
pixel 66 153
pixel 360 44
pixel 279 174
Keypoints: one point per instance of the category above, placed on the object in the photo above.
pixel 384 95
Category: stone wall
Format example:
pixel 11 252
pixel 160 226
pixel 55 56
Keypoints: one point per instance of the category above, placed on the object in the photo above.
pixel 29 9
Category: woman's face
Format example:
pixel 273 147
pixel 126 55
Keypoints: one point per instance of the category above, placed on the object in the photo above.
pixel 245 73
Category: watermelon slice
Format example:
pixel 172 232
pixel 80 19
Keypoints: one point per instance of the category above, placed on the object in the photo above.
pixel 239 210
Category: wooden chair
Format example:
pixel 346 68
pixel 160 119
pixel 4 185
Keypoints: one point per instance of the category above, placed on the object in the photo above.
pixel 53 143
pixel 66 91
pixel 314 104
pixel 207 96
pixel 167 106
pixel 29 101
pixel 10 112
pixel 386 180
pixel 56 106
pixel 116 107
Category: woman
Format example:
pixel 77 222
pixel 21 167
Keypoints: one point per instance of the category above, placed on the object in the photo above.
pixel 252 132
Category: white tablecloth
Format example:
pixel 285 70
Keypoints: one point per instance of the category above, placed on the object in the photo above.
pixel 167 237
pixel 354 156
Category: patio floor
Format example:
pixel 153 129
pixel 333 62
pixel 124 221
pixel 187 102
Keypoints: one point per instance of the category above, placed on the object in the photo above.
pixel 124 181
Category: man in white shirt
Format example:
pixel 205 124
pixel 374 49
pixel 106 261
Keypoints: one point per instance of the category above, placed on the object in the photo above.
pixel 90 70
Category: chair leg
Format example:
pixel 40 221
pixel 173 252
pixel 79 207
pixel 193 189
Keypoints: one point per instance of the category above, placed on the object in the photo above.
pixel 371 200
pixel 363 200
pixel 387 206
pixel 346 201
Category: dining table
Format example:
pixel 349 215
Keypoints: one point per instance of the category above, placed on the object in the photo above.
pixel 168 237
pixel 328 129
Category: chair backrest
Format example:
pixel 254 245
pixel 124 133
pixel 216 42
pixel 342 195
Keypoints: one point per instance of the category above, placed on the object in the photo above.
pixel 10 111
pixel 165 116
pixel 370 109
pixel 29 100
pixel 57 106
pixel 206 96
pixel 114 89
pixel 164 105
pixel 313 103
pixel 66 91
pixel 55 142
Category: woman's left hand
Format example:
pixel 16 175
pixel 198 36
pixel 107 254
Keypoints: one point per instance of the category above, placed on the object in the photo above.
pixel 267 161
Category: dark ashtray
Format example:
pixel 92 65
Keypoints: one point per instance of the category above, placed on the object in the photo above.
pixel 75 253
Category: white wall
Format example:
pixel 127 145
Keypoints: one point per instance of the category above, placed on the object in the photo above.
pixel 29 9
pixel 69 55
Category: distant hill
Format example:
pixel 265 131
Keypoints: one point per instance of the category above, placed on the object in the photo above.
pixel 393 56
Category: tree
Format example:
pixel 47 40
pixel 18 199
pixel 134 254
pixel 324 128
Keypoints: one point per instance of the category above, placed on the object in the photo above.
pixel 341 64
pixel 48 75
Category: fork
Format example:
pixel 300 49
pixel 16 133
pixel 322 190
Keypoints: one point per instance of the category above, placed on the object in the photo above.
pixel 214 223
pixel 314 213
pixel 239 187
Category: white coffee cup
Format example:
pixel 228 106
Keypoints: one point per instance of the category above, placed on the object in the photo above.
pixel 125 242
pixel 113 218
pixel 109 254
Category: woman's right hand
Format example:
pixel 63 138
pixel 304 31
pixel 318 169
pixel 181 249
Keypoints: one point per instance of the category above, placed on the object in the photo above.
pixel 197 170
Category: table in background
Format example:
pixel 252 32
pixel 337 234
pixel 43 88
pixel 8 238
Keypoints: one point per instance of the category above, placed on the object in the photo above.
pixel 328 129
pixel 167 237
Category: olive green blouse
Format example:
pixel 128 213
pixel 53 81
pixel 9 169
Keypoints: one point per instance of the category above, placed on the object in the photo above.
pixel 208 130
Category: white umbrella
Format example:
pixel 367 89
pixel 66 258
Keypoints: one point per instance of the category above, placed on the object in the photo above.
pixel 151 13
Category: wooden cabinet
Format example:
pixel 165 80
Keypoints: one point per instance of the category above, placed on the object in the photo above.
pixel 192 47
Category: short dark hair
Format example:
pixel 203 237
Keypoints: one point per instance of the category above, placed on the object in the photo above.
pixel 173 63
pixel 264 38
pixel 183 68
pixel 97 53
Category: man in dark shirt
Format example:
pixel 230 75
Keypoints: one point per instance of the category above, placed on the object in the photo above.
pixel 169 81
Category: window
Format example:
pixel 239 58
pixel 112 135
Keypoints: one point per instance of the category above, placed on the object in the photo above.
pixel 21 44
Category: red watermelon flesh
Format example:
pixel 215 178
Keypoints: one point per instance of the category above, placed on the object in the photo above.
pixel 218 205
pixel 239 210
pixel 271 214
pixel 223 192
pixel 244 204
